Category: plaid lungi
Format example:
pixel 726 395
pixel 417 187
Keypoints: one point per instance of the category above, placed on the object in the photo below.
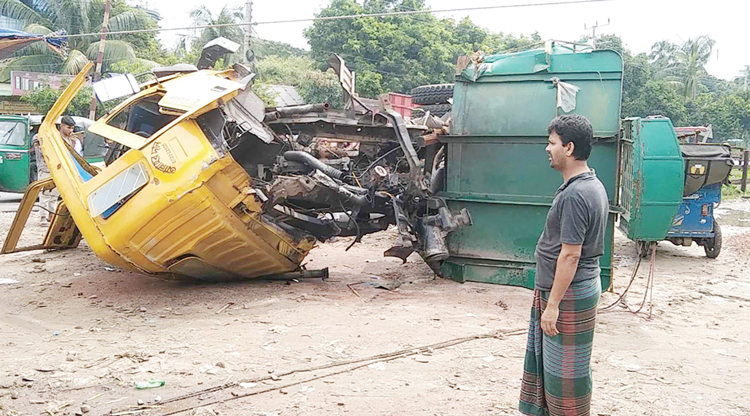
pixel 557 371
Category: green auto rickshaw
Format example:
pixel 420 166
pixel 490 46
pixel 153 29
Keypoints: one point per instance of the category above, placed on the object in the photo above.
pixel 17 158
pixel 16 169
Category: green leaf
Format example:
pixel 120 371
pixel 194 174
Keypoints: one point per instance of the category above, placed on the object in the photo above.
pixel 34 63
pixel 114 51
pixel 75 62
pixel 129 21
pixel 37 29
pixel 14 9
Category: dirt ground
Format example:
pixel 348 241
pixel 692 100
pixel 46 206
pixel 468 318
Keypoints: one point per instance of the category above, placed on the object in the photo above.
pixel 76 333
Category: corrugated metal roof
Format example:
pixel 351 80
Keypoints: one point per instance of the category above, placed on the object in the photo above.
pixel 286 95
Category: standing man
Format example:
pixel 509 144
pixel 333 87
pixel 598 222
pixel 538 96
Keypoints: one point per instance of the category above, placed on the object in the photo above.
pixel 48 199
pixel 67 127
pixel 557 372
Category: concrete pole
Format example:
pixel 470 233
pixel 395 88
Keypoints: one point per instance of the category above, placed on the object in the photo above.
pixel 593 30
pixel 248 28
pixel 100 57
pixel 745 161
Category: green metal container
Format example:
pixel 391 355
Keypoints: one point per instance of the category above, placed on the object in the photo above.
pixel 652 178
pixel 497 166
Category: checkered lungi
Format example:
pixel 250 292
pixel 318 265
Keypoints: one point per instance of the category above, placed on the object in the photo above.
pixel 557 370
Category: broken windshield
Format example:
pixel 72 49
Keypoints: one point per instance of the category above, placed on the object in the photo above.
pixel 142 118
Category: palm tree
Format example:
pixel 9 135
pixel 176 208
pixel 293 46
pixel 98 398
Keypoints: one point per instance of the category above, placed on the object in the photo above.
pixel 691 59
pixel 202 16
pixel 43 17
pixel 662 54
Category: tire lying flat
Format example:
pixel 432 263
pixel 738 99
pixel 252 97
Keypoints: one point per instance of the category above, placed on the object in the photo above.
pixel 432 94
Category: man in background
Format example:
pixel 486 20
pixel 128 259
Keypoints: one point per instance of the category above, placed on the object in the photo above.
pixel 48 199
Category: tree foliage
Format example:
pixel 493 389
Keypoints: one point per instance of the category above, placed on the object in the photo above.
pixel 393 53
pixel 398 53
pixel 203 16
pixel 313 85
pixel 672 81
pixel 43 98
pixel 264 48
pixel 77 17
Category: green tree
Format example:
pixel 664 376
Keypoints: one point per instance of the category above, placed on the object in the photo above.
pixel 692 58
pixel 656 97
pixel 729 115
pixel 611 42
pixel 264 48
pixel 398 53
pixel 76 17
pixel 662 55
pixel 202 16
pixel 313 85
pixel 685 64
pixel 43 98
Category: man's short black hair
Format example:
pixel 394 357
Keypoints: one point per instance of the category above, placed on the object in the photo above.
pixel 574 128
pixel 68 121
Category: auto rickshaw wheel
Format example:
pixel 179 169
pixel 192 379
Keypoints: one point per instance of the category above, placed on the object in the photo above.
pixel 712 246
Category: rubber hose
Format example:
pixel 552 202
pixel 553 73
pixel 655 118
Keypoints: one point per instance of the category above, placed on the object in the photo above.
pixel 313 163
pixel 350 198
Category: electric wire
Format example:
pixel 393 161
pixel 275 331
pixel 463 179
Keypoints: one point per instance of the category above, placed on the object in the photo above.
pixel 343 17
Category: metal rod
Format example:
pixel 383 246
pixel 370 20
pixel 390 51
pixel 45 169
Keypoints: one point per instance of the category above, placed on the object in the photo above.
pixel 302 274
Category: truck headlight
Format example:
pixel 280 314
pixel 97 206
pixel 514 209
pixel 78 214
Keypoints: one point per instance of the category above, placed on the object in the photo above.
pixel 110 196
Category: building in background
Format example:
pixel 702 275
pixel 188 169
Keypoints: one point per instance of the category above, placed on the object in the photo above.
pixel 23 81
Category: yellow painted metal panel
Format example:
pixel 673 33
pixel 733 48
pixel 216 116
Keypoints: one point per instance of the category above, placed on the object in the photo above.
pixel 197 211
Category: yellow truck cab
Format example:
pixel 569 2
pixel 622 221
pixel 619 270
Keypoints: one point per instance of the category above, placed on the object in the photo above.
pixel 172 203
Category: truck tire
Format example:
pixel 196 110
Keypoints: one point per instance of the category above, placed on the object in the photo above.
pixel 437 110
pixel 432 94
pixel 712 246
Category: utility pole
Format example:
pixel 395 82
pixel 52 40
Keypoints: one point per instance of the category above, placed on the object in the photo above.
pixel 747 73
pixel 248 29
pixel 593 29
pixel 100 57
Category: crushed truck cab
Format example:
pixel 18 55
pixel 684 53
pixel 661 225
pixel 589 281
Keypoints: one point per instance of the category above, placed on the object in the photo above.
pixel 197 185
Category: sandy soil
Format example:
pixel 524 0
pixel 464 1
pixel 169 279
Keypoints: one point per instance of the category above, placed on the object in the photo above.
pixel 76 333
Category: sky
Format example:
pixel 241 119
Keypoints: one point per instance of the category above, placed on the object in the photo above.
pixel 640 23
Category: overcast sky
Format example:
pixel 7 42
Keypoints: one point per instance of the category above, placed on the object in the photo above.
pixel 640 23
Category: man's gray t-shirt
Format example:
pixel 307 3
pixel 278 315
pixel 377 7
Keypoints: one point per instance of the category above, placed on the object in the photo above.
pixel 578 216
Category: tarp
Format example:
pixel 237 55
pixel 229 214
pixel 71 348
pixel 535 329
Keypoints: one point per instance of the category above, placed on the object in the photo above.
pixel 703 151
pixel 14 40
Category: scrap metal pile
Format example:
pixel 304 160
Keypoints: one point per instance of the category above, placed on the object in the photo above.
pixel 361 181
